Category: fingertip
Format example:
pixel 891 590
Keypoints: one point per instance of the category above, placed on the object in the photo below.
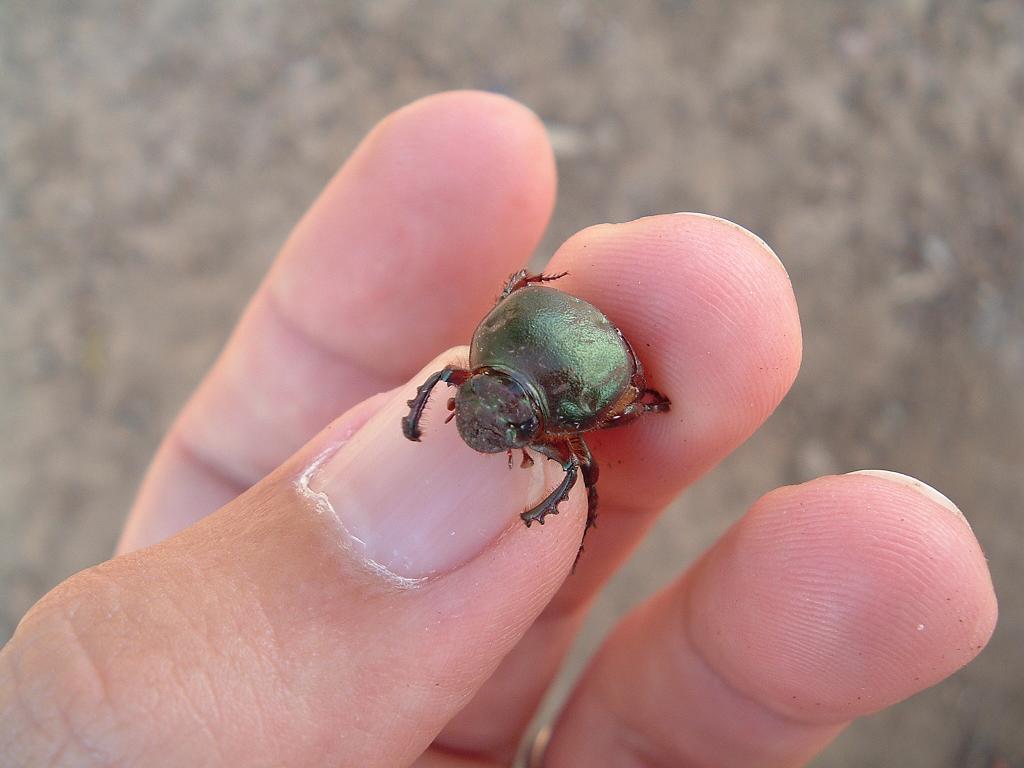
pixel 492 138
pixel 955 559
pixel 710 313
pixel 841 596
pixel 413 237
pixel 922 488
pixel 470 106
pixel 695 289
pixel 715 228
pixel 739 274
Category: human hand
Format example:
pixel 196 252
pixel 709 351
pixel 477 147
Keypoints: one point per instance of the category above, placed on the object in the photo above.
pixel 372 602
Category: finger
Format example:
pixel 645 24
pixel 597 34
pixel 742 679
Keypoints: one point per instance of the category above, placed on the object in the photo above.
pixel 711 313
pixel 404 250
pixel 337 613
pixel 828 601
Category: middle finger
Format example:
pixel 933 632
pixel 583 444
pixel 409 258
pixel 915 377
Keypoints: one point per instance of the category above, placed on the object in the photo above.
pixel 711 312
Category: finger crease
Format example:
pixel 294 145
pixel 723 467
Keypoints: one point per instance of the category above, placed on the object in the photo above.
pixel 215 468
pixel 467 758
pixel 314 341
pixel 742 695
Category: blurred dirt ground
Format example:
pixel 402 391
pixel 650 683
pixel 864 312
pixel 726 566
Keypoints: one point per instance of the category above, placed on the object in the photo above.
pixel 154 156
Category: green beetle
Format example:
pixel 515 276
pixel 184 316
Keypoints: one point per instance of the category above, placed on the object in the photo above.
pixel 544 367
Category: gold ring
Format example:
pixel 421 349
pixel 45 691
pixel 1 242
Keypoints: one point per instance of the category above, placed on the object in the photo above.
pixel 534 757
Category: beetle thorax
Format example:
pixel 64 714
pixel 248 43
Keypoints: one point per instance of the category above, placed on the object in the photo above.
pixel 494 412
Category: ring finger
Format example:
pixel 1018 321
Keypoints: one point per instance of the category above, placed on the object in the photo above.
pixel 827 601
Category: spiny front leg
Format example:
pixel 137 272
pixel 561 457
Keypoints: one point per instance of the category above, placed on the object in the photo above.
pixel 451 376
pixel 549 506
pixel 522 278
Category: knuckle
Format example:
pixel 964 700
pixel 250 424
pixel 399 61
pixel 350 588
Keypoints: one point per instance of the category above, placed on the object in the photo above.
pixel 112 668
pixel 56 709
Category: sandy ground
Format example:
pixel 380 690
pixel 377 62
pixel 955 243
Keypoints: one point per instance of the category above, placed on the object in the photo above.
pixel 152 161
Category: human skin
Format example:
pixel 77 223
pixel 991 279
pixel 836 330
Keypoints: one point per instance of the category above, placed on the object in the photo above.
pixel 298 587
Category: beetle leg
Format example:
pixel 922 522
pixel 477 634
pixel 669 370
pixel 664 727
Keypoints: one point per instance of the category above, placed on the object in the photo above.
pixel 451 376
pixel 549 506
pixel 649 401
pixel 527 461
pixel 629 414
pixel 655 401
pixel 522 278
pixel 590 472
pixel 589 469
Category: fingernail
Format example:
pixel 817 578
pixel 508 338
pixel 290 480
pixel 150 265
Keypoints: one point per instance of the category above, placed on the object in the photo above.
pixel 420 508
pixel 912 482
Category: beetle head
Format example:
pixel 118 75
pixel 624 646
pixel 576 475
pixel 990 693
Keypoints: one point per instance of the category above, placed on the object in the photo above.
pixel 494 412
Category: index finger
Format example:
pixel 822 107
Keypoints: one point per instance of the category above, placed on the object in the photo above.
pixel 401 254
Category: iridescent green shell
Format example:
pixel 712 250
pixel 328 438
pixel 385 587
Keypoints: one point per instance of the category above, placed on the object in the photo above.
pixel 563 348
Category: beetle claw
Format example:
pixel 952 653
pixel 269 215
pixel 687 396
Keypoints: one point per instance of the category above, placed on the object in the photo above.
pixel 547 507
pixel 410 429
pixel 540 512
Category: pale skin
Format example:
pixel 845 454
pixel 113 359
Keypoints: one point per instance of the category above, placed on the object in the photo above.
pixel 245 629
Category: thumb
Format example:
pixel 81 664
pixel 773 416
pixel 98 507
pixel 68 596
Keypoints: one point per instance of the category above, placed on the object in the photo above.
pixel 339 612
